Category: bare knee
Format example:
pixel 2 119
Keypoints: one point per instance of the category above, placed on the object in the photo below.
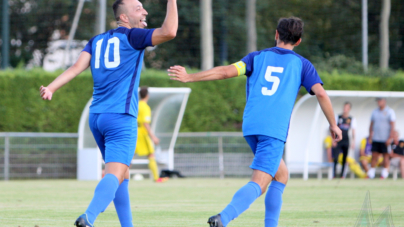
pixel 262 179
pixel 119 170
pixel 282 175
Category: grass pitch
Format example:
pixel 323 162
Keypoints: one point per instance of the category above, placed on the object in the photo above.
pixel 189 202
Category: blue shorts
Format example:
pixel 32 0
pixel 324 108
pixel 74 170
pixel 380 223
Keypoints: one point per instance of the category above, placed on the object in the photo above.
pixel 115 135
pixel 267 151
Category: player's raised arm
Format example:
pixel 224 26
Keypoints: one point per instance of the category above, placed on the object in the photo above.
pixel 179 73
pixel 326 106
pixel 168 30
pixel 81 64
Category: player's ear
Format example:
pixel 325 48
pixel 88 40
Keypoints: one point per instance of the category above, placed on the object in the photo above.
pixel 276 35
pixel 123 18
pixel 298 42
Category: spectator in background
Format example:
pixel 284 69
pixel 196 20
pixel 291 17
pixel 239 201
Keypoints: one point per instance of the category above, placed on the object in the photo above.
pixel 380 130
pixel 345 122
pixel 353 165
pixel 146 137
pixel 397 152
pixel 365 153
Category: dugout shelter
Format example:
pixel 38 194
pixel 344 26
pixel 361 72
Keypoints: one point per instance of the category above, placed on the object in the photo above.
pixel 167 105
pixel 304 150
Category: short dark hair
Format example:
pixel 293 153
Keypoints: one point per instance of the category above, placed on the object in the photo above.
pixel 290 29
pixel 116 7
pixel 348 103
pixel 143 92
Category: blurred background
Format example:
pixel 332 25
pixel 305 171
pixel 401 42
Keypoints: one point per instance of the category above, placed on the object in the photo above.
pixel 354 44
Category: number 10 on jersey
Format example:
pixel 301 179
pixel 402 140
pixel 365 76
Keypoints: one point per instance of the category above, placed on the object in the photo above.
pixel 275 80
pixel 117 57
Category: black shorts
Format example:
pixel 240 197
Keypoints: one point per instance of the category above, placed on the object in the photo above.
pixel 379 147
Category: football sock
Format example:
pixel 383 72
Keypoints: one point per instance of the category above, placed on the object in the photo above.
pixel 153 168
pixel 103 195
pixel 241 201
pixel 273 203
pixel 385 172
pixel 371 173
pixel 122 204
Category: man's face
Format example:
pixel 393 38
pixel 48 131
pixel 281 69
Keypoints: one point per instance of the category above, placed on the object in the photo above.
pixel 381 103
pixel 347 108
pixel 136 13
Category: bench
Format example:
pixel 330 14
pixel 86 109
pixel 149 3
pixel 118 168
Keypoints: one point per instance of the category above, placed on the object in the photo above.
pixel 135 162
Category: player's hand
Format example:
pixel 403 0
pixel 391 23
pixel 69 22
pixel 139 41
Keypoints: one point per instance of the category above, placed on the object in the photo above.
pixel 336 133
pixel 45 92
pixel 179 73
pixel 156 140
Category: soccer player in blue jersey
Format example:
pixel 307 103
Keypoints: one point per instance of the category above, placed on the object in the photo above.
pixel 116 58
pixel 274 77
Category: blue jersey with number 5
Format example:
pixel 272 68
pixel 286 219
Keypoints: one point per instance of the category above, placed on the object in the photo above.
pixel 116 63
pixel 274 77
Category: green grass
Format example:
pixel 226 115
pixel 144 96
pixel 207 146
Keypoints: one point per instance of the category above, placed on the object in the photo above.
pixel 190 202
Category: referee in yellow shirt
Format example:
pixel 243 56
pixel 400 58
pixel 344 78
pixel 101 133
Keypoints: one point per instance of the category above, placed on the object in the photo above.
pixel 146 137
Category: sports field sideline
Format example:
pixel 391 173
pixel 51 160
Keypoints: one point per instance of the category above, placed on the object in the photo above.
pixel 189 202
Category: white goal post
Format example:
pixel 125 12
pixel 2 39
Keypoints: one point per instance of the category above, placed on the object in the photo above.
pixel 168 107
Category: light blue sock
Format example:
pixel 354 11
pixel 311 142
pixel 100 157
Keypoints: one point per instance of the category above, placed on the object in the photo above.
pixel 241 201
pixel 122 204
pixel 273 203
pixel 103 196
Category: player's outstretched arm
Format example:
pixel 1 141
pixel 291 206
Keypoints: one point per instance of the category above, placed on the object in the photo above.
pixel 326 106
pixel 81 64
pixel 179 73
pixel 168 30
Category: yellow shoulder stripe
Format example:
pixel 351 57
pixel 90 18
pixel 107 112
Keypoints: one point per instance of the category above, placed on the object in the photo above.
pixel 241 67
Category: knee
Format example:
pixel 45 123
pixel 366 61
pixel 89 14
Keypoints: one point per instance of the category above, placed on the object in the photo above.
pixel 282 176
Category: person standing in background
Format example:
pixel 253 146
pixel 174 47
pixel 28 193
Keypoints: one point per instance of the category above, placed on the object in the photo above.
pixel 381 129
pixel 345 122
pixel 146 137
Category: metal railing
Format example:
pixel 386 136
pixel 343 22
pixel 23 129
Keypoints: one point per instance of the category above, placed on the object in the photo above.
pixel 38 155
pixel 54 155
pixel 213 154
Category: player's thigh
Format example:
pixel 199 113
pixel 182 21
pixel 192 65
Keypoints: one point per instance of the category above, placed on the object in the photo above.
pixel 268 154
pixel 120 132
pixel 98 137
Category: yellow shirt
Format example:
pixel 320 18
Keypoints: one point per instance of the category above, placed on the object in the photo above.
pixel 144 116
pixel 144 145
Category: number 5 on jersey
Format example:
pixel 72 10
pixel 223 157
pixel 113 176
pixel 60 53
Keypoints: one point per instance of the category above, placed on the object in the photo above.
pixel 275 80
pixel 117 57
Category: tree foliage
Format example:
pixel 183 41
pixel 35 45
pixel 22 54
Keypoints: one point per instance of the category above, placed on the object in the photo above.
pixel 332 27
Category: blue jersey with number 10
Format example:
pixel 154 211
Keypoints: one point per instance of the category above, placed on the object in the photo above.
pixel 274 77
pixel 116 63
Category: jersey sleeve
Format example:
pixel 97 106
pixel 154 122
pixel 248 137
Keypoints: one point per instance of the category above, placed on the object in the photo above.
pixel 372 117
pixel 88 47
pixel 310 76
pixel 392 115
pixel 140 38
pixel 249 62
pixel 353 123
